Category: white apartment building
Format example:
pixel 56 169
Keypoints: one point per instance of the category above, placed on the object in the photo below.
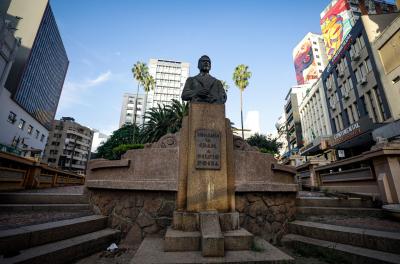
pixel 98 139
pixel 309 58
pixel 170 77
pixel 314 114
pixel 129 107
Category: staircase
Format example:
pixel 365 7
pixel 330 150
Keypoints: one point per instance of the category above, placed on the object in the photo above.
pixel 343 231
pixel 44 227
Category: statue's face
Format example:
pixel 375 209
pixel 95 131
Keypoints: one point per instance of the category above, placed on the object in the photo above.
pixel 204 65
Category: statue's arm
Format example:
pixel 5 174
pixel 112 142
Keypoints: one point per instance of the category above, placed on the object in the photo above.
pixel 221 92
pixel 187 92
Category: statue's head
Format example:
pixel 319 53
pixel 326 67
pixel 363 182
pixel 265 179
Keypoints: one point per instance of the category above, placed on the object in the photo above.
pixel 204 64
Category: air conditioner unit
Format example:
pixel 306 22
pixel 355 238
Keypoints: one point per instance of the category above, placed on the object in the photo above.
pixel 356 56
pixel 363 80
pixel 341 74
pixel 346 95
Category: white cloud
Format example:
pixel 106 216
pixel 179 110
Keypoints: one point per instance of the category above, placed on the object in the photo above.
pixel 72 91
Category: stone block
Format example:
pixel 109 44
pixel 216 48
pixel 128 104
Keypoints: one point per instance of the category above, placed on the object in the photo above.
pixel 229 221
pixel 176 240
pixel 212 240
pixel 238 239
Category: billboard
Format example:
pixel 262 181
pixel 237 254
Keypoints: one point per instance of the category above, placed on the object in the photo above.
pixel 304 63
pixel 335 25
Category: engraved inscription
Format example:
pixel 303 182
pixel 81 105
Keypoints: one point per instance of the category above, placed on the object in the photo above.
pixel 208 150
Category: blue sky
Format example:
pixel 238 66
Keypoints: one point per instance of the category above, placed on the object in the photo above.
pixel 105 38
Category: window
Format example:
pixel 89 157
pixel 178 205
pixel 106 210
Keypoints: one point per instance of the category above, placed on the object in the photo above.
pixel 21 124
pixel 363 70
pixel 316 49
pixel 42 138
pixel 30 129
pixel 12 117
pixel 368 64
pixel 317 56
pixel 319 64
pixel 315 43
pixel 37 134
pixel 358 75
pixel 380 101
pixel 373 108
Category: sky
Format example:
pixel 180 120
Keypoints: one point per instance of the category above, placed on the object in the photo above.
pixel 104 39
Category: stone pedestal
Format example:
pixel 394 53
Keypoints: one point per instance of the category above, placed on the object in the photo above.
pixel 206 172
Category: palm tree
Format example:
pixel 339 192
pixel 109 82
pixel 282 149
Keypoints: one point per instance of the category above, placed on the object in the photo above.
pixel 148 84
pixel 161 120
pixel 225 86
pixel 241 77
pixel 140 71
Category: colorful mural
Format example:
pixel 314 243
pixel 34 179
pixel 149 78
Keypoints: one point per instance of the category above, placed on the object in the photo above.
pixel 335 25
pixel 304 63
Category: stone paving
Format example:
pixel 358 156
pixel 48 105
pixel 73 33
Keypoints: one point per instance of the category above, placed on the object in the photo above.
pixel 9 220
pixel 381 224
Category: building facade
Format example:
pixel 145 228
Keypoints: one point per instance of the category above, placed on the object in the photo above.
pixel 293 123
pixel 340 16
pixel 98 139
pixel 170 77
pixel 30 86
pixel 309 58
pixel 37 76
pixel 315 122
pixel 355 95
pixel 69 145
pixel 20 132
pixel 131 107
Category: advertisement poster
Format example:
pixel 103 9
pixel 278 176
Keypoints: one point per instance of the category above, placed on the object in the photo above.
pixel 304 63
pixel 335 25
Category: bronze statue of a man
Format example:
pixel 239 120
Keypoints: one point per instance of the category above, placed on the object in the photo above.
pixel 203 87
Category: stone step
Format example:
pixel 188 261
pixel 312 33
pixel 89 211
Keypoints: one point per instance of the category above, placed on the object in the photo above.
pixel 333 202
pixel 177 240
pixel 339 253
pixel 366 238
pixel 42 198
pixel 240 239
pixel 68 250
pixel 361 212
pixel 43 207
pixel 152 251
pixel 35 235
pixel 212 240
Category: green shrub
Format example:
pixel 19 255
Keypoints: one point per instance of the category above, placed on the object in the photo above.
pixel 121 149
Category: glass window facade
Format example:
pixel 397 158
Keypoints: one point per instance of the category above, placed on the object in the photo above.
pixel 41 83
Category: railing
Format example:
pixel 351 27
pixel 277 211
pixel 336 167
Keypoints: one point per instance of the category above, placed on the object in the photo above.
pixel 18 173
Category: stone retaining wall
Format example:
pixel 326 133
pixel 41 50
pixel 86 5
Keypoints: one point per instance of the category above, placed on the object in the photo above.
pixel 266 214
pixel 140 213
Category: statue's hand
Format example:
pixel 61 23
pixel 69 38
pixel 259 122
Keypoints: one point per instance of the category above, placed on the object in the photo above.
pixel 203 92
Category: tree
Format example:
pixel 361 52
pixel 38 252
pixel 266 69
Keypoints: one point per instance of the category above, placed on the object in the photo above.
pixel 264 143
pixel 225 86
pixel 241 77
pixel 140 72
pixel 123 135
pixel 162 120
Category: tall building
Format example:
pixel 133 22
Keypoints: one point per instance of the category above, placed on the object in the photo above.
pixel 35 79
pixel 69 145
pixel 37 75
pixel 252 123
pixel 293 124
pixel 340 16
pixel 170 79
pixel 128 109
pixel 315 122
pixel 98 139
pixel 309 58
pixel 358 101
